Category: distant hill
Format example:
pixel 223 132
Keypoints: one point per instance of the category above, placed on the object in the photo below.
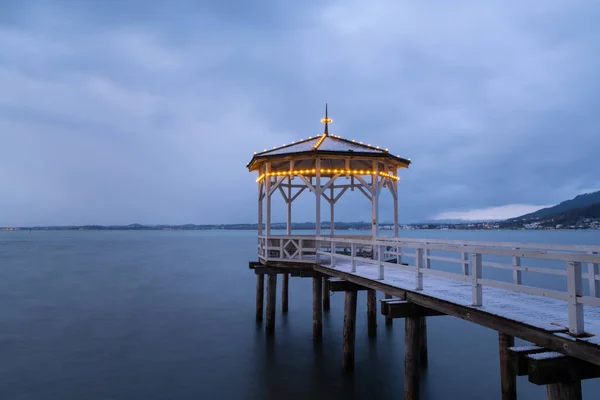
pixel 583 211
pixel 581 201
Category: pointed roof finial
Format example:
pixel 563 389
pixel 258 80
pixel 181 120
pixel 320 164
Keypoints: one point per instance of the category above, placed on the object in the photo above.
pixel 326 121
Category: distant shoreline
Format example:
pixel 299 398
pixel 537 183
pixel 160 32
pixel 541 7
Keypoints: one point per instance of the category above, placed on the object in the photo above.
pixel 341 226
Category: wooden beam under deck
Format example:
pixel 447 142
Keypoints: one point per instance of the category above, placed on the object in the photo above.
pixel 550 367
pixel 395 308
pixel 340 285
pixel 547 339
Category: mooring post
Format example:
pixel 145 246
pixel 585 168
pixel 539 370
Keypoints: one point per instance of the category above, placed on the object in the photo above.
pixel 388 320
pixel 423 341
pixel 508 376
pixel 271 300
pixel 317 308
pixel 412 358
pixel 372 312
pixel 260 294
pixel 325 294
pixel 284 292
pixel 564 391
pixel 349 330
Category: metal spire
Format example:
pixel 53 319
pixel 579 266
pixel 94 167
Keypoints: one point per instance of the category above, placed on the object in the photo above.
pixel 326 121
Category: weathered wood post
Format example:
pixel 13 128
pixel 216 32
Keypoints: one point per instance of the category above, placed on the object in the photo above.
pixel 317 308
pixel 508 377
pixel 388 320
pixel 325 286
pixel 284 292
pixel 372 312
pixel 349 330
pixel 412 358
pixel 564 391
pixel 260 294
pixel 271 300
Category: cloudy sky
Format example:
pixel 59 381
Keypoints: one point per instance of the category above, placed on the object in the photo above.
pixel 114 112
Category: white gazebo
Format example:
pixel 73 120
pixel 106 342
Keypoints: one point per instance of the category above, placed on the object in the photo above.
pixel 328 166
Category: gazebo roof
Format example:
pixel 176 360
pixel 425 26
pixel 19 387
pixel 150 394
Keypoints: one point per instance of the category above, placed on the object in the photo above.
pixel 324 145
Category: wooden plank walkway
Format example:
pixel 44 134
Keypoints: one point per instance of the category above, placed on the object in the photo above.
pixel 567 321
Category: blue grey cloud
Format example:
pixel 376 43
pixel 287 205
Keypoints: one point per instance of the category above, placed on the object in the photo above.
pixel 147 111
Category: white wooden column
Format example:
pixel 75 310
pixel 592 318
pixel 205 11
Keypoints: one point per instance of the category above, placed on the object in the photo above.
pixel 268 221
pixel 331 207
pixel 318 206
pixel 260 202
pixel 289 201
pixel 375 200
pixel 395 185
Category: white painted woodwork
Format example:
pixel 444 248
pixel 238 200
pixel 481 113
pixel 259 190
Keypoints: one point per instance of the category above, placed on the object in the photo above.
pixel 476 280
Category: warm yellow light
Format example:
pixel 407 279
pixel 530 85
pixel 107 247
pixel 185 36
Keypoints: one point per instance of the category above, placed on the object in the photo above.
pixel 326 120
pixel 314 170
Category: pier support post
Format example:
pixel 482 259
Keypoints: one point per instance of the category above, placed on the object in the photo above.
pixel 372 312
pixel 412 358
pixel 325 285
pixel 423 341
pixel 388 320
pixel 349 330
pixel 271 300
pixel 564 391
pixel 317 308
pixel 260 294
pixel 284 292
pixel 508 377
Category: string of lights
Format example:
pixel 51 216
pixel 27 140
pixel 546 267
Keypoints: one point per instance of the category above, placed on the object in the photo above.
pixel 328 171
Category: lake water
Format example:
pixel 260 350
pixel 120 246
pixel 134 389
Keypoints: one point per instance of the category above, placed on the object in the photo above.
pixel 170 315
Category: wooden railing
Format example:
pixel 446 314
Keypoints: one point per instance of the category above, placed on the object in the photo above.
pixel 387 252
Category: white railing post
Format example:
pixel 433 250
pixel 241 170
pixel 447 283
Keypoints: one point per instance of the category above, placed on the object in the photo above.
pixel 398 255
pixel 379 253
pixel 475 277
pixel 267 248
pixel 574 288
pixel 593 274
pixel 427 259
pixel 353 254
pixel 517 276
pixel 332 244
pixel 418 267
pixel 281 253
pixel 300 244
pixel 465 263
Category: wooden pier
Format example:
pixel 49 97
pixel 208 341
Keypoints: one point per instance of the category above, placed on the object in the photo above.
pixel 422 278
pixel 563 326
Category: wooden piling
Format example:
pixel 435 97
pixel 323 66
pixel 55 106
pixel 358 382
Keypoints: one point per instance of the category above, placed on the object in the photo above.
pixel 284 292
pixel 564 391
pixel 349 330
pixel 326 304
pixel 412 358
pixel 508 377
pixel 423 341
pixel 260 294
pixel 372 312
pixel 317 308
pixel 388 320
pixel 271 300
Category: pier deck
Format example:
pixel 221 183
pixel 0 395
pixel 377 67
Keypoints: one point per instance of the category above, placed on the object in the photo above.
pixel 565 320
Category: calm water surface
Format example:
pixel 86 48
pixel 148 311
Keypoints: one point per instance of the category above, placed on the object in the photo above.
pixel 170 315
